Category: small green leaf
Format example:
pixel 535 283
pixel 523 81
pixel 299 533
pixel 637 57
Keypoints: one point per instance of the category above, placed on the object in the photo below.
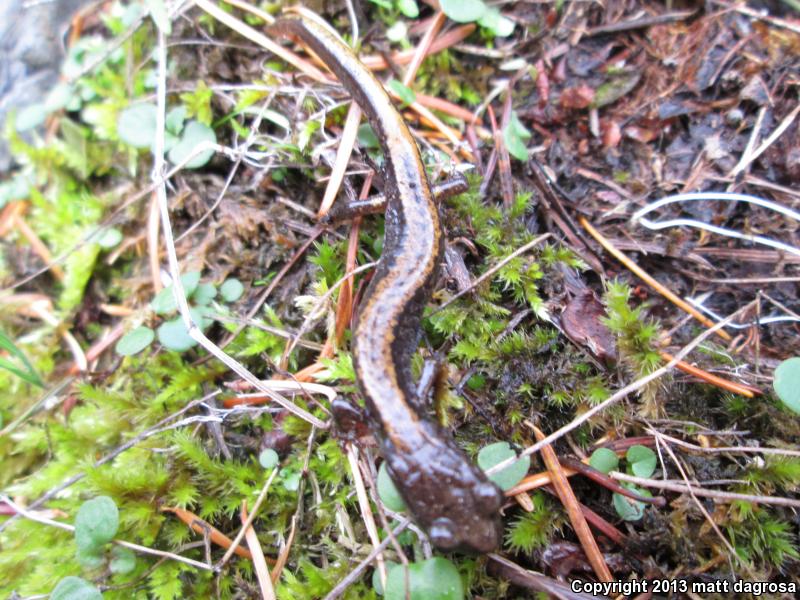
pixel 194 134
pixel 135 341
pixel 96 523
pixel 231 290
pixel 434 579
pixel 387 491
pixel 376 577
pixel 305 134
pixel 628 508
pixel 406 94
pixel 787 383
pixel 366 136
pixel 136 125
pixel 268 458
pixel 514 135
pixel 164 302
pixel 110 238
pixel 398 31
pixel 494 454
pixel 159 14
pixel 23 369
pixel 409 8
pixel 494 21
pixel 463 11
pixel 30 117
pixel 175 118
pixel 604 460
pixel 204 294
pixel 123 560
pixel 291 481
pixel 174 336
pixel 641 460
pixel 90 558
pixel 75 588
pixel 59 97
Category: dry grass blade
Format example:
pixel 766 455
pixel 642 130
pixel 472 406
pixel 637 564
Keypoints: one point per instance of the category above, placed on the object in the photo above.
pixel 346 144
pixel 259 562
pixel 576 517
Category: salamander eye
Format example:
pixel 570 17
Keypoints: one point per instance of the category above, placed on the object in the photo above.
pixel 487 497
pixel 443 534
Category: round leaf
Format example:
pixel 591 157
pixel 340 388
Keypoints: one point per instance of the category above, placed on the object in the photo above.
pixel 31 117
pixel 433 579
pixel 604 460
pixel 96 523
pixel 641 460
pixel 291 482
pixel 75 588
pixel 136 125
pixel 194 134
pixel 268 458
pixel 164 302
pixel 90 558
pixel 376 577
pixel 787 383
pixel 204 294
pixel 135 341
pixel 387 491
pixel 110 238
pixel 494 454
pixel 628 508
pixel 463 11
pixel 494 21
pixel 231 290
pixel 174 336
pixel 409 8
pixel 514 135
pixel 123 561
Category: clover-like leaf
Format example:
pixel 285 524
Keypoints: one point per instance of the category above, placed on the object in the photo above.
pixel 194 134
pixel 75 588
pixel 96 523
pixel 387 491
pixel 787 383
pixel 123 560
pixel 136 125
pixel 604 460
pixel 641 460
pixel 494 454
pixel 628 508
pixel 231 290
pixel 515 135
pixel 268 458
pixel 434 579
pixel 135 341
pixel 463 11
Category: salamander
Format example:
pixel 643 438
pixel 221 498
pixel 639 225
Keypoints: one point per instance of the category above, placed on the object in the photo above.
pixel 449 496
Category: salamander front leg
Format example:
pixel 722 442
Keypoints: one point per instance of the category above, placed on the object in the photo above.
pixel 457 184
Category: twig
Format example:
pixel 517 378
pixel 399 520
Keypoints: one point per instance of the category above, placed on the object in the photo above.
pixel 723 496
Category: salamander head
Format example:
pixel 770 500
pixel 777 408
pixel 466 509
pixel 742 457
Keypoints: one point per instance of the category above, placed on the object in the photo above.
pixel 447 494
